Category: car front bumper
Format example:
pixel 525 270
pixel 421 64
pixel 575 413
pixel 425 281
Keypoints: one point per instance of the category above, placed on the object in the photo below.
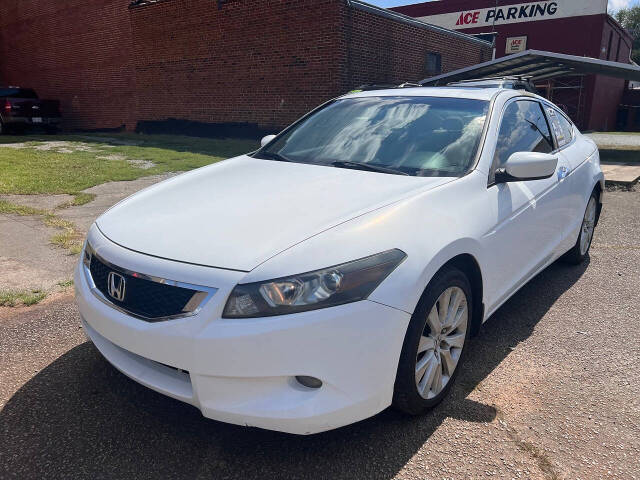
pixel 243 371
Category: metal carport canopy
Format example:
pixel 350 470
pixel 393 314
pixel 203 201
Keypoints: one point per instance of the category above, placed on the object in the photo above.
pixel 537 65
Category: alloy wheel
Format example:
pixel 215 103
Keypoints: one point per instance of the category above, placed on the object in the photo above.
pixel 588 226
pixel 441 342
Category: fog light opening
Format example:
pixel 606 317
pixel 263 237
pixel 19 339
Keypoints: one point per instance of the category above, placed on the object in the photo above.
pixel 309 382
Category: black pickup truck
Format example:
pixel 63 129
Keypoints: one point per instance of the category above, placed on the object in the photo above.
pixel 21 108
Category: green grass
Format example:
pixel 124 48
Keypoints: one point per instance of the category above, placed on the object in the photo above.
pixel 79 199
pixel 10 208
pixel 31 170
pixel 68 237
pixel 28 298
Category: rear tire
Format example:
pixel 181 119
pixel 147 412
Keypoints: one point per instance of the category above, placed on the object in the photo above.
pixel 434 344
pixel 580 250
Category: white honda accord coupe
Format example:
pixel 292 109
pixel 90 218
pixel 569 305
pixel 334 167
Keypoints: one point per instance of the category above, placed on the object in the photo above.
pixel 343 266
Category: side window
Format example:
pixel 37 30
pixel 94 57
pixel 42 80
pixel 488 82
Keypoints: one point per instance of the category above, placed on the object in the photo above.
pixel 562 128
pixel 523 129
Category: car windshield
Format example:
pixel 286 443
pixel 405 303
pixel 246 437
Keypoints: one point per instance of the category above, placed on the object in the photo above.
pixel 420 136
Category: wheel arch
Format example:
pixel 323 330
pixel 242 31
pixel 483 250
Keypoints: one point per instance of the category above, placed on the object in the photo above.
pixel 598 189
pixel 468 264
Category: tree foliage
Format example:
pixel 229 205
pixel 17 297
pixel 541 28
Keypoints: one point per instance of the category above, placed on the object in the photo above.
pixel 629 18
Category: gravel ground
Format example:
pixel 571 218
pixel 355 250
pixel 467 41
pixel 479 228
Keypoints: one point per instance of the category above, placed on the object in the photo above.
pixel 550 390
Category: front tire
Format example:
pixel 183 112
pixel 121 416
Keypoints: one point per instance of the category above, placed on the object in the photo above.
pixel 434 343
pixel 580 250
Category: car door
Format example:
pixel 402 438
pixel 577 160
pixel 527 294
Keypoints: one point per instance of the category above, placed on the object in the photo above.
pixel 527 216
pixel 575 181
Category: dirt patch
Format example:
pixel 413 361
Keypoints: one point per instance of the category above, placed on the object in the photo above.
pixel 18 145
pixel 69 147
pixel 142 164
pixel 54 146
pixel 112 157
pixel 113 141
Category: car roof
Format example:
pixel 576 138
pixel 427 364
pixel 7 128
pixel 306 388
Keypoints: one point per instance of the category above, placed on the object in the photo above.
pixel 443 92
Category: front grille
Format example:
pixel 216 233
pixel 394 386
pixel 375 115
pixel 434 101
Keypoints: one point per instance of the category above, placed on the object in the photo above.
pixel 149 300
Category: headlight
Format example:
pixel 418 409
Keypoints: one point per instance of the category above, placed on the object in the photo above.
pixel 345 283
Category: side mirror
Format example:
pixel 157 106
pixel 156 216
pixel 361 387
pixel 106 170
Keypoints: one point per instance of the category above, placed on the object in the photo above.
pixel 527 166
pixel 266 140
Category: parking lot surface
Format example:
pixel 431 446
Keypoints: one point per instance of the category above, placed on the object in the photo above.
pixel 549 390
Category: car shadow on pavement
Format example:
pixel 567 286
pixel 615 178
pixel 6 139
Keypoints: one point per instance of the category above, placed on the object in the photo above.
pixel 80 418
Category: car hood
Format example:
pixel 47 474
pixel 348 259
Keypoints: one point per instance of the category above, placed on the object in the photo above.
pixel 240 212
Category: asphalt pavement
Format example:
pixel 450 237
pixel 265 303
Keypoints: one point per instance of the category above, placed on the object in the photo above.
pixel 549 389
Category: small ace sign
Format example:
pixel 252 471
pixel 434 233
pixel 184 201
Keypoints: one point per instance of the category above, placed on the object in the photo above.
pixel 516 44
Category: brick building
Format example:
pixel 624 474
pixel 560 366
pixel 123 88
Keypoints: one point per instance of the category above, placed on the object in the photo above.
pixel 114 65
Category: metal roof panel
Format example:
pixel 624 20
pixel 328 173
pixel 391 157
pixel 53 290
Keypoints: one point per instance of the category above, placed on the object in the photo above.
pixel 537 65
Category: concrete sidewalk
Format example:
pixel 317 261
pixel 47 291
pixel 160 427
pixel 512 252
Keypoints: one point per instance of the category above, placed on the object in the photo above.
pixel 616 140
pixel 28 260
pixel 625 174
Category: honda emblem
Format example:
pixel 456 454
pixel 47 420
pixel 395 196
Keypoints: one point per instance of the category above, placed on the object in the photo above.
pixel 116 286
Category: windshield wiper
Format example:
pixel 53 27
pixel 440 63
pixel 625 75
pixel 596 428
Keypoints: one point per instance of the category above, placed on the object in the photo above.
pixel 368 166
pixel 273 156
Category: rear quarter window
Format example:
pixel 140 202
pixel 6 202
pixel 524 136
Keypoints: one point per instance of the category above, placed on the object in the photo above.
pixel 562 128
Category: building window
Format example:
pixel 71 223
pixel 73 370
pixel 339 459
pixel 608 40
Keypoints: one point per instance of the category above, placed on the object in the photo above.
pixel 434 63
